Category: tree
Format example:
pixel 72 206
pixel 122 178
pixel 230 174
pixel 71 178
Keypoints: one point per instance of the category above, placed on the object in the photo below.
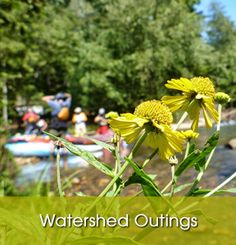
pixel 130 49
pixel 222 37
pixel 110 54
pixel 36 47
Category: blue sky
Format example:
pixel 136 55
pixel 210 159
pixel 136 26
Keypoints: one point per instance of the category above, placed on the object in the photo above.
pixel 229 7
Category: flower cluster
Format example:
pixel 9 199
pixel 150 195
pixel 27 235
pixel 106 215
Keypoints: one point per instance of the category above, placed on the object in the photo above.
pixel 154 117
pixel 197 93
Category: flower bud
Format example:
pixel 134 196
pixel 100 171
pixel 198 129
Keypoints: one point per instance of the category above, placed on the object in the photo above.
pixel 190 134
pixel 111 115
pixel 173 160
pixel 222 98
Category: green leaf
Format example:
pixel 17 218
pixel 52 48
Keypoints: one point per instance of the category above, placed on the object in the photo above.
pixel 209 146
pixel 87 156
pixel 189 161
pixel 182 187
pixel 41 179
pixel 192 148
pixel 149 187
pixel 103 144
pixel 198 212
pixel 197 157
pixel 200 192
pixel 105 240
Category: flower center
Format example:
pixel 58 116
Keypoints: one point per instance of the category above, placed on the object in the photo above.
pixel 203 85
pixel 154 110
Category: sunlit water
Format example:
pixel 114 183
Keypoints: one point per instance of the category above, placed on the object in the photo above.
pixel 222 165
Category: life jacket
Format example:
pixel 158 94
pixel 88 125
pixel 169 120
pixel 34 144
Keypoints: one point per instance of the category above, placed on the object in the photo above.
pixel 33 119
pixel 77 118
pixel 63 114
pixel 30 117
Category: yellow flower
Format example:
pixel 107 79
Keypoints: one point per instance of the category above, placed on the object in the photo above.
pixel 155 118
pixel 197 93
pixel 189 134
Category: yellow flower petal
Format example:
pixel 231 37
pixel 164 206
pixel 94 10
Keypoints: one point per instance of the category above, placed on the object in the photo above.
pixel 176 102
pixel 206 117
pixel 127 126
pixel 182 84
pixel 194 111
pixel 167 141
pixel 199 93
pixel 209 104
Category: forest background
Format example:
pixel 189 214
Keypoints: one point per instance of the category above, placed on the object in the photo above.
pixel 110 53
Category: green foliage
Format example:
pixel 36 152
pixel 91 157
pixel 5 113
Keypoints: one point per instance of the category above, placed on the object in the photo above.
pixel 134 45
pixel 87 156
pixel 148 185
pixel 198 157
pixel 110 53
pixel 8 171
pixel 222 38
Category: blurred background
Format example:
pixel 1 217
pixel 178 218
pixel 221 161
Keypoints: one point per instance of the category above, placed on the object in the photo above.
pixel 112 54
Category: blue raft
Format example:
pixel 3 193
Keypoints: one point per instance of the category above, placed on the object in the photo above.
pixel 44 149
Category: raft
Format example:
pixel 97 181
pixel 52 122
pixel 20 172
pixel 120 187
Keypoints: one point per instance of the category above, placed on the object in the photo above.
pixel 44 149
pixel 42 146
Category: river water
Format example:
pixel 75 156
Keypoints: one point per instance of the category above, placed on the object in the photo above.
pixel 223 164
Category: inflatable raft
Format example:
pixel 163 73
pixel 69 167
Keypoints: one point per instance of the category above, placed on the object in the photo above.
pixel 43 149
pixel 42 146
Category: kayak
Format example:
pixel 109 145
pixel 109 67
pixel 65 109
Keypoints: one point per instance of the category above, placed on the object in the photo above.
pixel 44 149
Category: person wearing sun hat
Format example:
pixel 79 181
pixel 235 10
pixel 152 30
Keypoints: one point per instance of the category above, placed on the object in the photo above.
pixel 79 119
pixel 101 120
pixel 60 104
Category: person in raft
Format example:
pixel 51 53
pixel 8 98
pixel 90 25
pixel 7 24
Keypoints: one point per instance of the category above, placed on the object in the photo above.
pixel 30 118
pixel 34 124
pixel 101 120
pixel 60 104
pixel 79 119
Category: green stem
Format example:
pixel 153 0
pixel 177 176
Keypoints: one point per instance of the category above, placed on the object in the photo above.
pixel 111 201
pixel 172 180
pixel 125 165
pixel 149 158
pixel 2 188
pixel 166 187
pixel 58 173
pixel 184 116
pixel 219 120
pixel 218 130
pixel 117 161
pixel 195 183
pixel 199 176
pixel 187 150
pixel 117 155
pixel 221 185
